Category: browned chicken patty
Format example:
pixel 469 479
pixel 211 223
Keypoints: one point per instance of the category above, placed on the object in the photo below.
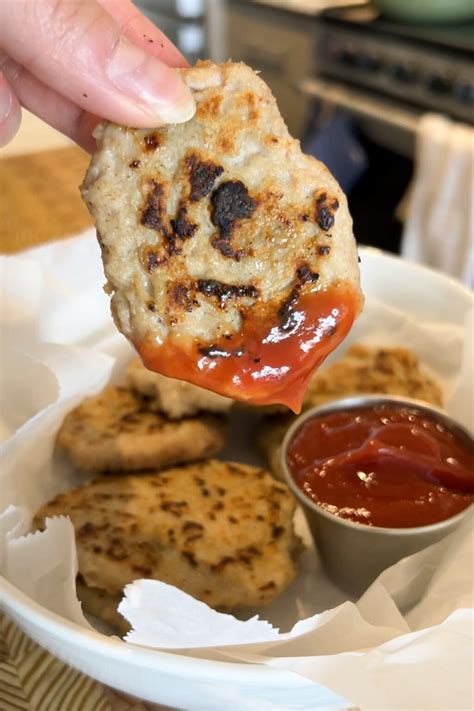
pixel 373 370
pixel 116 431
pixel 229 254
pixel 220 531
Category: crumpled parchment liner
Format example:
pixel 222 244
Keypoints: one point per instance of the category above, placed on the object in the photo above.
pixel 406 644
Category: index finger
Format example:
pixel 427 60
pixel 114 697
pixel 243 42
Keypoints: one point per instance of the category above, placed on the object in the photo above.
pixel 79 50
pixel 142 32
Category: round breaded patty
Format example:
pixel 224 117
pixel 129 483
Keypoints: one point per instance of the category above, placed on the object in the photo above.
pixel 220 531
pixel 116 431
pixel 229 254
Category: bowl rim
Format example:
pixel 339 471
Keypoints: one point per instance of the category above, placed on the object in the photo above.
pixel 369 400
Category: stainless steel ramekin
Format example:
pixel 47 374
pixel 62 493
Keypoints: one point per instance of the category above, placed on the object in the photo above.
pixel 354 554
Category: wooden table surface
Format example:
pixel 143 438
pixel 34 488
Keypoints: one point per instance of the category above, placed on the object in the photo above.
pixel 39 197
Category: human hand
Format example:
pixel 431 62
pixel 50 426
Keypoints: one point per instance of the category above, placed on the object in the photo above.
pixel 73 62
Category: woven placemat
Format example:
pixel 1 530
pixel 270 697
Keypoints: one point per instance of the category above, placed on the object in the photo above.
pixel 31 679
pixel 39 197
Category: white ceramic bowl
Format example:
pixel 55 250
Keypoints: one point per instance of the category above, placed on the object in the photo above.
pixel 182 681
pixel 354 554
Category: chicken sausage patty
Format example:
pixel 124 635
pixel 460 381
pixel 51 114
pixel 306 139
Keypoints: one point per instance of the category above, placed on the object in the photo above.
pixel 229 254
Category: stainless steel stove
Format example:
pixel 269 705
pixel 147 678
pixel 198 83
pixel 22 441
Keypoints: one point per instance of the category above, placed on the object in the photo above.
pixel 425 67
pixel 384 75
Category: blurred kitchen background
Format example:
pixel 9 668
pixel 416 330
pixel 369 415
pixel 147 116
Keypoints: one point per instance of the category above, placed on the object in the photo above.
pixel 352 81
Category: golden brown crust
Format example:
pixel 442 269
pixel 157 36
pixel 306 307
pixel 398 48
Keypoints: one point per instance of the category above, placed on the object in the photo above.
pixel 368 369
pixel 117 431
pixel 221 531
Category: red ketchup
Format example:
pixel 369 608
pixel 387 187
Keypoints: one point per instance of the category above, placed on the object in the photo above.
pixel 383 465
pixel 265 363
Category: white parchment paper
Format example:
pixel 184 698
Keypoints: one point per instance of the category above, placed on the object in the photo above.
pixel 405 644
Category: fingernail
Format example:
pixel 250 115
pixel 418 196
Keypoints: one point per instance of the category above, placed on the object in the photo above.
pixel 6 99
pixel 157 89
pixel 10 112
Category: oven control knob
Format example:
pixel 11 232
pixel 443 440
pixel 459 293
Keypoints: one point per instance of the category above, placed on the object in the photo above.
pixel 404 73
pixel 368 62
pixel 463 90
pixel 346 56
pixel 439 84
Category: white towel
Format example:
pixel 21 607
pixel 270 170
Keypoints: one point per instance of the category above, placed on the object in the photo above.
pixel 439 225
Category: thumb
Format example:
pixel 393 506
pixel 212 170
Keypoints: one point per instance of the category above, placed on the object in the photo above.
pixel 81 52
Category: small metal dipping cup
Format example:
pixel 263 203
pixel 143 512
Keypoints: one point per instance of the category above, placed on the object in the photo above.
pixel 354 554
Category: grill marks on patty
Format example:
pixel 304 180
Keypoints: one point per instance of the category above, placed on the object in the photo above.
pixel 154 208
pixel 182 227
pixel 230 202
pixel 226 292
pixel 286 312
pixel 305 275
pixel 183 295
pixel 326 207
pixel 152 259
pixel 287 315
pixel 202 176
pixel 153 216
